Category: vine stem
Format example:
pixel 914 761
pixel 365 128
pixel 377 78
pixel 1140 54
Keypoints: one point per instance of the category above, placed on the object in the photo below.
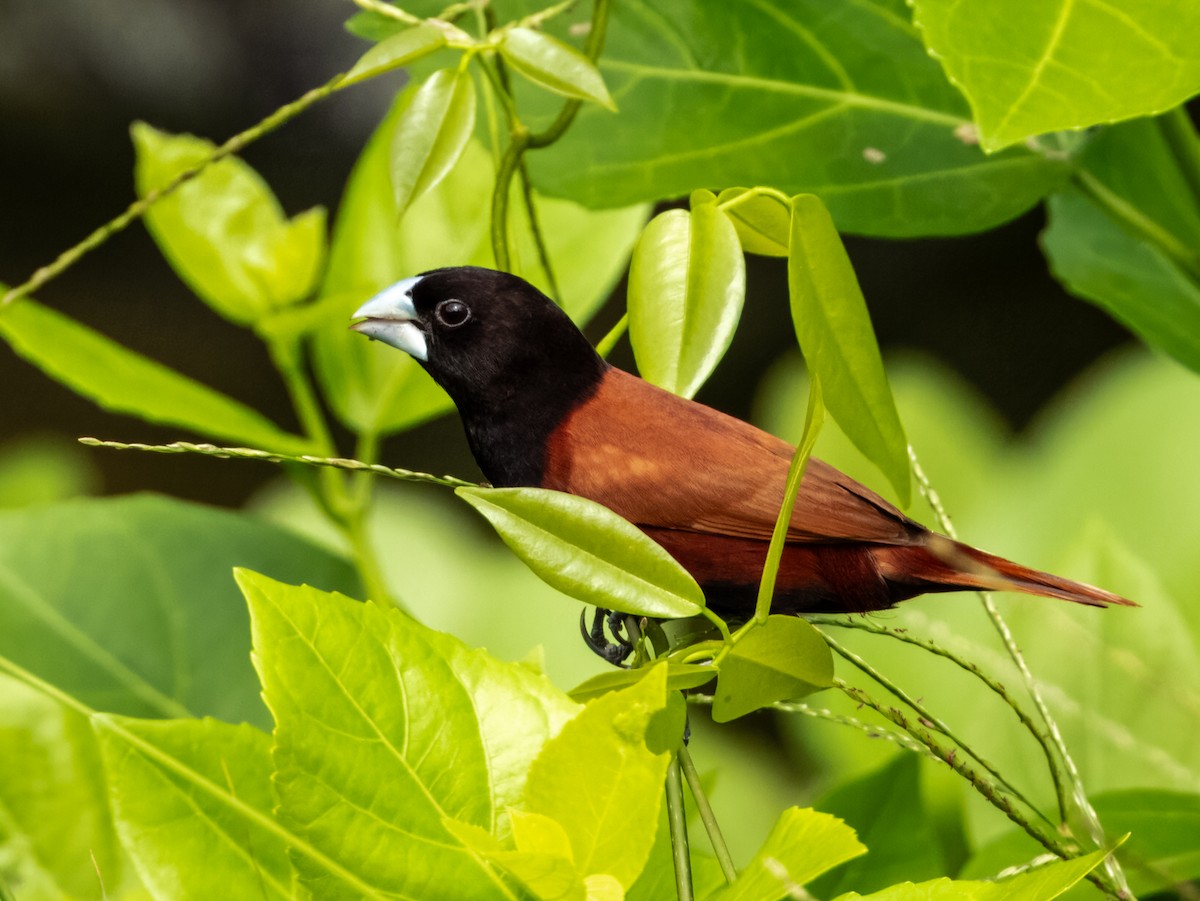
pixel 138 208
pixel 934 648
pixel 677 821
pixel 1091 819
pixel 707 817
pixel 994 796
pixel 928 719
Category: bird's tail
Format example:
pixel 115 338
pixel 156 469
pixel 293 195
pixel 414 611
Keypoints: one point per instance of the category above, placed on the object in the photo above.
pixel 949 565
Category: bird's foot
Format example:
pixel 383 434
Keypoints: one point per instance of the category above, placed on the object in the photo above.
pixel 617 650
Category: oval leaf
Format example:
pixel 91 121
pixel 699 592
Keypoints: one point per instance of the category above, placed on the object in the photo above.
pixel 224 232
pixel 835 334
pixel 396 51
pixel 762 220
pixel 431 134
pixel 588 552
pixel 120 380
pixel 1068 65
pixel 687 284
pixel 680 676
pixel 782 659
pixel 554 65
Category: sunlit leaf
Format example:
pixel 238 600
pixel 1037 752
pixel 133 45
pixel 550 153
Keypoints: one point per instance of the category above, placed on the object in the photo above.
pixel 396 51
pixel 834 329
pixel 223 231
pixel 803 845
pixel 431 133
pixel 1065 65
pixel 762 220
pixel 687 284
pixel 588 552
pixel 680 676
pixel 554 65
pixel 624 741
pixel 1041 884
pixel 124 381
pixel 346 748
pixel 783 658
pixel 189 833
pixel 55 823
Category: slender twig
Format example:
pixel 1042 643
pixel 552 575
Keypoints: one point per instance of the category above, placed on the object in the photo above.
pixel 1179 133
pixel 1091 819
pixel 1043 741
pixel 606 344
pixel 138 208
pixel 707 817
pixel 521 139
pixel 249 453
pixel 539 240
pixel 928 719
pixel 990 792
pixel 677 821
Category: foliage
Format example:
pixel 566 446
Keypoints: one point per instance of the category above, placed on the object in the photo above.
pixel 399 760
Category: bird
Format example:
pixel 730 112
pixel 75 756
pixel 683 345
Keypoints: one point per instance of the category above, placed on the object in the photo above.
pixel 542 409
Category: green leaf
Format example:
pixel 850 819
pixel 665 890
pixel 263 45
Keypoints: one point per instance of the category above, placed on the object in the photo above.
pixel 803 844
pixel 762 219
pixel 1124 235
pixel 431 134
pixel 189 832
pixel 373 388
pixel 1065 65
pixel 680 676
pixel 223 231
pixel 886 810
pixel 834 329
pixel 127 603
pixel 120 380
pixel 56 828
pixel 687 284
pixel 383 735
pixel 1163 850
pixel 556 66
pixel 1041 884
pixel 847 106
pixel 543 860
pixel 601 777
pixel 395 51
pixel 781 659
pixel 588 552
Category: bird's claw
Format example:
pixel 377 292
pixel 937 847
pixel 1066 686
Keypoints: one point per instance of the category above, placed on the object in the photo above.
pixel 615 651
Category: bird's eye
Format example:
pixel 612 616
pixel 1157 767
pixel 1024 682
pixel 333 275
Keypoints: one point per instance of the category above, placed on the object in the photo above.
pixel 452 313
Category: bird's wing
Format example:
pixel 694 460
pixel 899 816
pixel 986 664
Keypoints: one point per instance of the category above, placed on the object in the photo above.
pixel 660 460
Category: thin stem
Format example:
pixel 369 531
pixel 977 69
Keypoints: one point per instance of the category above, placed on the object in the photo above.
pixel 251 453
pixel 1180 135
pixel 1138 223
pixel 707 817
pixel 539 239
pixel 928 719
pixel 509 163
pixel 990 792
pixel 677 821
pixel 812 427
pixel 606 344
pixel 1091 819
pixel 138 208
pixel 866 625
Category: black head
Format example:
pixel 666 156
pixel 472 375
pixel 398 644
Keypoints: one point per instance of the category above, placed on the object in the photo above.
pixel 512 361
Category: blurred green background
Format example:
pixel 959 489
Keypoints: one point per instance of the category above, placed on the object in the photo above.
pixel 1050 435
